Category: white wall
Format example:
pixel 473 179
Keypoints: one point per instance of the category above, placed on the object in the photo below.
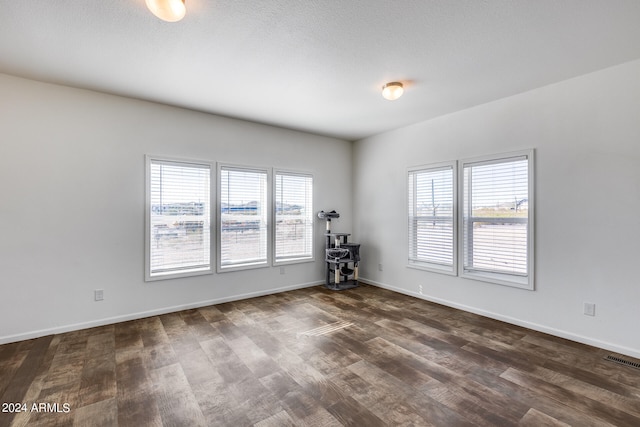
pixel 72 204
pixel 586 133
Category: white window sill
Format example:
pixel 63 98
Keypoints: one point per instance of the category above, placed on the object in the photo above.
pixel 521 282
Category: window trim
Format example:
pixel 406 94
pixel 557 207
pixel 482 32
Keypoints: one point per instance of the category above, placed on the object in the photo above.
pixel 425 265
pixel 292 260
pixel 527 281
pixel 269 202
pixel 149 277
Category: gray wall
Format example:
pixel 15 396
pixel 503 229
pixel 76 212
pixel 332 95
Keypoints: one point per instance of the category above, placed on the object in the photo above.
pixel 586 133
pixel 72 204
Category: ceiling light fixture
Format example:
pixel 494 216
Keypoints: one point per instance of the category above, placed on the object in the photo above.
pixel 392 91
pixel 167 10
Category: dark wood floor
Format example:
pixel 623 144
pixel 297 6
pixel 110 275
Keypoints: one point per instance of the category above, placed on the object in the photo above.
pixel 363 357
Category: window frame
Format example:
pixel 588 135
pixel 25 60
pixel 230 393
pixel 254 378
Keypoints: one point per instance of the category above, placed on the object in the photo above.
pixel 412 261
pixel 177 273
pixel 527 281
pixel 298 259
pixel 267 262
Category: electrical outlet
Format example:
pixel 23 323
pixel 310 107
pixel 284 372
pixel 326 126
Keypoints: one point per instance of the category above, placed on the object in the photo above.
pixel 281 270
pixel 589 309
pixel 420 289
pixel 379 267
pixel 98 295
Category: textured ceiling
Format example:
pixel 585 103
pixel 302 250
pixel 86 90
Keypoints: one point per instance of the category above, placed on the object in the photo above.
pixel 318 66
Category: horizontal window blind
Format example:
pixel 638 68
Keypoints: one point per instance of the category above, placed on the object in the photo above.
pixel 294 216
pixel 179 217
pixel 431 217
pixel 243 216
pixel 496 216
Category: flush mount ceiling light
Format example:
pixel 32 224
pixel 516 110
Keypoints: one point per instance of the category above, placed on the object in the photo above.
pixel 392 91
pixel 167 10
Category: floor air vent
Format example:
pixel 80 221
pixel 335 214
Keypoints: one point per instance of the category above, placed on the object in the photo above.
pixel 622 362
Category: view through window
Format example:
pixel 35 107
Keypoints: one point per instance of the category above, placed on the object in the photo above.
pixel 431 217
pixel 294 216
pixel 243 217
pixel 178 231
pixel 496 211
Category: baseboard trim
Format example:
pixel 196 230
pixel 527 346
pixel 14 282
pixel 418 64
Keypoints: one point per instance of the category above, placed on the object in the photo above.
pixel 514 321
pixel 141 315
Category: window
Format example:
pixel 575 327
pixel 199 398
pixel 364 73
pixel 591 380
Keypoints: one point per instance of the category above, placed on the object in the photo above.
pixel 178 213
pixel 431 208
pixel 293 217
pixel 496 223
pixel 243 217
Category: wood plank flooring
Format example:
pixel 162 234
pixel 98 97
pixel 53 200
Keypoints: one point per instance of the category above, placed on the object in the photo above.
pixel 314 357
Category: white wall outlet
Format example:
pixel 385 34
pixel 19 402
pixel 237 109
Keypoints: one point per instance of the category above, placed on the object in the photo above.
pixel 98 295
pixel 380 267
pixel 281 270
pixel 589 309
pixel 420 289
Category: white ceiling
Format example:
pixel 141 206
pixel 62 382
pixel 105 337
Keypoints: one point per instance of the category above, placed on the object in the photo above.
pixel 318 66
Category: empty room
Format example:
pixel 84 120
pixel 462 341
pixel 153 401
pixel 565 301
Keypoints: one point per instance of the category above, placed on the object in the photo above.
pixel 289 213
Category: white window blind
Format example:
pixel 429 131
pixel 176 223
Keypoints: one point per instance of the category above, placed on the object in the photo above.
pixel 294 217
pixel 243 217
pixel 178 218
pixel 431 210
pixel 496 217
